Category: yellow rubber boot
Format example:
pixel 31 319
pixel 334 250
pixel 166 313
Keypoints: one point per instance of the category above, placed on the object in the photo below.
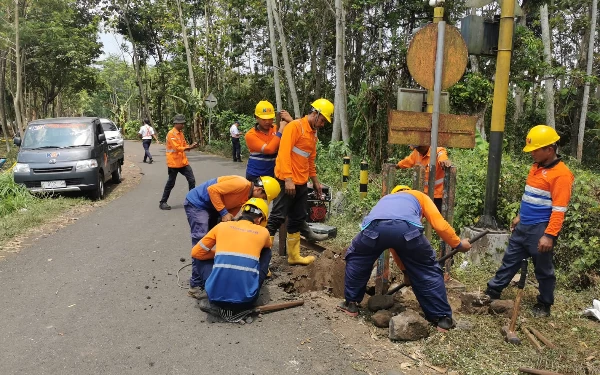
pixel 269 274
pixel 293 250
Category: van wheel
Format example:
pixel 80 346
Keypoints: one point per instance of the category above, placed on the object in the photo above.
pixel 98 193
pixel 116 175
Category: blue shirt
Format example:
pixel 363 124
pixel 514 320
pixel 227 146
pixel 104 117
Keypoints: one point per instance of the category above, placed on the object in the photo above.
pixel 198 196
pixel 399 206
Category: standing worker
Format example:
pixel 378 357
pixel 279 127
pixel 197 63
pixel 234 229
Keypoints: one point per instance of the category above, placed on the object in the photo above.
pixel 146 133
pixel 220 198
pixel 235 141
pixel 420 155
pixel 294 165
pixel 177 161
pixel 540 219
pixel 233 259
pixel 263 143
pixel 395 222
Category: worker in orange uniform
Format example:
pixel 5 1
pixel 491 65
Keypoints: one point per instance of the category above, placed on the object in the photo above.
pixel 420 155
pixel 177 161
pixel 233 259
pixel 220 199
pixel 294 165
pixel 540 219
pixel 395 222
pixel 263 143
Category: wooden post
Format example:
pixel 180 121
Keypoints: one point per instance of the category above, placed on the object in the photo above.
pixel 382 279
pixel 448 202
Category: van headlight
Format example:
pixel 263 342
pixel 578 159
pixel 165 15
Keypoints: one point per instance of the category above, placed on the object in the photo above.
pixel 21 168
pixel 86 164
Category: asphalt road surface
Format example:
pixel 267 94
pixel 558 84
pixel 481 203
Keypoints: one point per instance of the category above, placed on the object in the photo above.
pixel 100 296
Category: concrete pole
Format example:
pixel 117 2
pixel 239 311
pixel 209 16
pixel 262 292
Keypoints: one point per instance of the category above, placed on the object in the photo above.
pixel 507 21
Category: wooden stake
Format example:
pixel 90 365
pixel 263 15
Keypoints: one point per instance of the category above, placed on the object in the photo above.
pixel 539 335
pixel 532 339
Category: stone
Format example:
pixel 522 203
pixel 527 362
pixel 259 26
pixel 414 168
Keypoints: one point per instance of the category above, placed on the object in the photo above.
pixel 394 372
pixel 474 303
pixel 501 307
pixel 464 325
pixel 490 247
pixel 382 318
pixel 397 308
pixel 408 326
pixel 380 302
pixel 455 285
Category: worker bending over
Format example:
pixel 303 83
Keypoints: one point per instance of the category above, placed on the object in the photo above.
pixel 294 165
pixel 540 219
pixel 220 199
pixel 263 143
pixel 233 259
pixel 420 156
pixel 395 222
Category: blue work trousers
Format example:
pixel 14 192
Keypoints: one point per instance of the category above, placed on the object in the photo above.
pixel 204 268
pixel 416 253
pixel 146 144
pixel 523 243
pixel 201 221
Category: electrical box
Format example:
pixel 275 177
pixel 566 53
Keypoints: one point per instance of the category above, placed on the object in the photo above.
pixel 415 100
pixel 481 35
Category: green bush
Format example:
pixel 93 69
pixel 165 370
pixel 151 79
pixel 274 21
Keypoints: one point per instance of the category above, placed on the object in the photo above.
pixel 13 196
pixel 130 129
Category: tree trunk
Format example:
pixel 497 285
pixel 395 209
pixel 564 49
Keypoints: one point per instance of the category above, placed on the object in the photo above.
pixel 586 90
pixel 19 91
pixel 274 56
pixel 286 61
pixel 195 134
pixel 340 121
pixel 519 92
pixel 549 84
pixel 3 98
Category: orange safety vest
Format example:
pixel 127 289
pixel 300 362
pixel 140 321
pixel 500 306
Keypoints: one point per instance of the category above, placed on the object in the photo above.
pixel 297 152
pixel 176 146
pixel 416 158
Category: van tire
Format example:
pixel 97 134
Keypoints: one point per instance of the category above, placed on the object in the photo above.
pixel 98 193
pixel 116 175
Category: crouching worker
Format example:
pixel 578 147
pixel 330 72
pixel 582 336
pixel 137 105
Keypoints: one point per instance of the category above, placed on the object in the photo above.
pixel 220 199
pixel 395 222
pixel 233 259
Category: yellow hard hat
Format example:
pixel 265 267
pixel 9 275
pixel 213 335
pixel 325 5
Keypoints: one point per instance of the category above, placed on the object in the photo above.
pixel 257 206
pixel 264 110
pixel 399 188
pixel 324 107
pixel 270 185
pixel 540 136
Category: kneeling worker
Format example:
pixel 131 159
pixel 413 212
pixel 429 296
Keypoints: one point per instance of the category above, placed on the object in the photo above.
pixel 234 258
pixel 220 199
pixel 395 222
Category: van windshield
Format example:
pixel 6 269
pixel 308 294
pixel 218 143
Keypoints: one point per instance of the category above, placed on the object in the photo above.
pixel 58 136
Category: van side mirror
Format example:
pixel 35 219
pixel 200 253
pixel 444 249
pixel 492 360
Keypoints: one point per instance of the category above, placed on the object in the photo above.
pixel 101 138
pixel 17 141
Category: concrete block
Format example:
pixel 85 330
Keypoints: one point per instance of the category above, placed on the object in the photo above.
pixel 490 247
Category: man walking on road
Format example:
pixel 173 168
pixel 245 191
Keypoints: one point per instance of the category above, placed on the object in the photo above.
pixel 421 155
pixel 294 165
pixel 233 259
pixel 540 219
pixel 177 161
pixel 263 143
pixel 395 222
pixel 235 141
pixel 146 133
pixel 220 199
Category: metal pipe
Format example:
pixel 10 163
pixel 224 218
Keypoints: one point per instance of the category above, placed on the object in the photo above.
pixel 437 92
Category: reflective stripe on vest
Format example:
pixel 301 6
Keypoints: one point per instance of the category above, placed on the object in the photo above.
pixel 259 158
pixel 234 267
pixel 439 182
pixel 301 152
pixel 171 151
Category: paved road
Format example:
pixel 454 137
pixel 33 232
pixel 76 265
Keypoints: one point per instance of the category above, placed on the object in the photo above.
pixel 100 297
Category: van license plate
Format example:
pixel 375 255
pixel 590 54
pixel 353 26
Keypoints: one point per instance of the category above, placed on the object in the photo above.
pixel 54 184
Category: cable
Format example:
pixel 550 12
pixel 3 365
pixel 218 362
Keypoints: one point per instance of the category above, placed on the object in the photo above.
pixel 178 283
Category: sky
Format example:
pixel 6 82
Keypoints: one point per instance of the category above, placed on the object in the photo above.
pixel 111 45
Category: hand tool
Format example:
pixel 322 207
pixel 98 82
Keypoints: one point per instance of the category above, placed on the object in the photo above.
pixel 537 372
pixel 532 339
pixel 509 332
pixel 473 239
pixel 234 317
pixel 543 338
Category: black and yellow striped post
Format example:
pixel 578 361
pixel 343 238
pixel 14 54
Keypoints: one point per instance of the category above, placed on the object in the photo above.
pixel 364 178
pixel 345 172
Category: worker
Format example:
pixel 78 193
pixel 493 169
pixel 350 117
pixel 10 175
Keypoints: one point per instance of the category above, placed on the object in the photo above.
pixel 294 165
pixel 177 161
pixel 220 199
pixel 420 156
pixel 233 258
pixel 263 143
pixel 236 148
pixel 540 219
pixel 395 222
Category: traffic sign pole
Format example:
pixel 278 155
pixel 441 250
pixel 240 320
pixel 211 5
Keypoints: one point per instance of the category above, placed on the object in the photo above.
pixel 437 92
